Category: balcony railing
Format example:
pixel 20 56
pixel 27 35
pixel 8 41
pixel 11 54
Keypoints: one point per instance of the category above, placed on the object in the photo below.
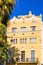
pixel 23 32
pixel 28 60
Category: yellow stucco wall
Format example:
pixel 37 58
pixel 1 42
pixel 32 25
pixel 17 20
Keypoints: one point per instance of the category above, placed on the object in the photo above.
pixel 26 21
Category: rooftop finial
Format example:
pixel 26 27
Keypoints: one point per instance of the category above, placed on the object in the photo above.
pixel 30 12
pixel 40 15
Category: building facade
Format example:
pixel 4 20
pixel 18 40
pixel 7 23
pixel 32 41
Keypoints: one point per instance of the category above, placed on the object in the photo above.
pixel 42 46
pixel 25 33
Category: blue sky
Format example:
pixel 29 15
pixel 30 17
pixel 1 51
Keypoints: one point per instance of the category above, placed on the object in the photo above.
pixel 23 7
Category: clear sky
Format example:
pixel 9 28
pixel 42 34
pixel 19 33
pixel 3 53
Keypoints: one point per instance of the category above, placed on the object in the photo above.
pixel 23 7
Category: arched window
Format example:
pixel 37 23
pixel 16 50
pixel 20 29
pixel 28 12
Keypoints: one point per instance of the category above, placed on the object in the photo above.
pixel 32 55
pixel 22 55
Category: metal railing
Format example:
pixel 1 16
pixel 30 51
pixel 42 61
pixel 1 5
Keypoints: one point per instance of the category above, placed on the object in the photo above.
pixel 35 60
pixel 22 31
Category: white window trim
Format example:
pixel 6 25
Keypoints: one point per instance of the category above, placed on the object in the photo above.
pixel 23 29
pixel 32 40
pixel 14 30
pixel 23 40
pixel 32 29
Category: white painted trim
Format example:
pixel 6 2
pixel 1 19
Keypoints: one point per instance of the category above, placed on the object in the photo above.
pixel 22 49
pixel 16 19
pixel 33 49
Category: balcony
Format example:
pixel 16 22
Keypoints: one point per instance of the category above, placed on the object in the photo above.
pixel 26 33
pixel 27 60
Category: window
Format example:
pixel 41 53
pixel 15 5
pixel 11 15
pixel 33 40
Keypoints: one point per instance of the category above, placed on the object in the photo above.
pixel 23 40
pixel 32 40
pixel 10 53
pixel 33 28
pixel 5 31
pixel 32 55
pixel 14 29
pixel 22 55
pixel 11 56
pixel 23 29
pixel 14 41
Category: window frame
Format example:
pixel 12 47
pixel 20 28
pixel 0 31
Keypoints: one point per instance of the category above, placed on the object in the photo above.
pixel 33 28
pixel 22 55
pixel 14 29
pixel 14 41
pixel 23 40
pixel 31 40
pixel 23 29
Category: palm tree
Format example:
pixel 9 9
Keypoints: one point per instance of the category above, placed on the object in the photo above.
pixel 2 33
pixel 4 46
pixel 14 54
pixel 6 7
